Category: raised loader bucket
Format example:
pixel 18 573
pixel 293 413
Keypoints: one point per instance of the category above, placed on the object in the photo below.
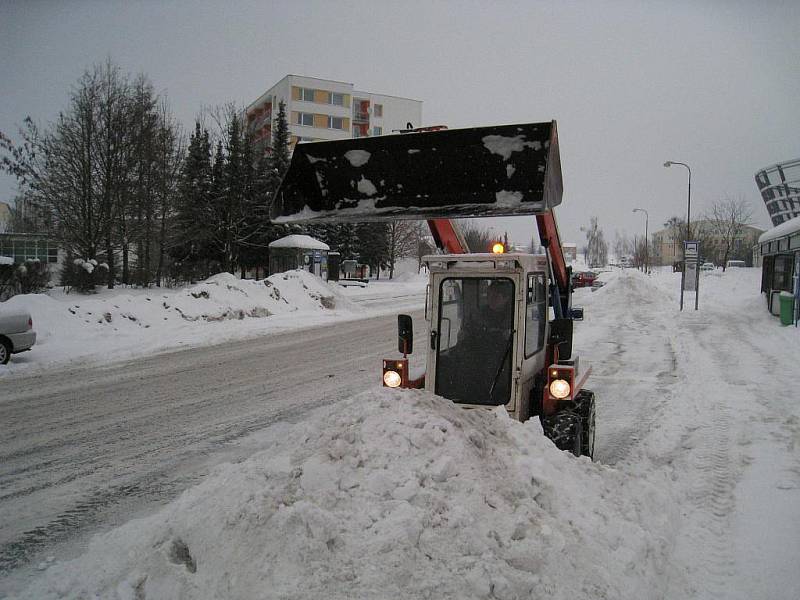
pixel 483 171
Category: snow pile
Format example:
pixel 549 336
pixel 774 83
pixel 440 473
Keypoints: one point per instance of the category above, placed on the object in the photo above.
pixel 121 324
pixel 391 494
pixel 408 277
pixel 225 296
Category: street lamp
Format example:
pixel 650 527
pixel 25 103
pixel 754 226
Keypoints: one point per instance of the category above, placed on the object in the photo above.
pixel 669 163
pixel 646 242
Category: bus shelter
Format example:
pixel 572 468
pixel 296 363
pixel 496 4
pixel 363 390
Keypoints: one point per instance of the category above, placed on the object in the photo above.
pixel 299 252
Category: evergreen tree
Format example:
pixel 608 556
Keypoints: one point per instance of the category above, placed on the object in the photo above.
pixel 216 213
pixel 373 245
pixel 234 175
pixel 280 144
pixel 193 213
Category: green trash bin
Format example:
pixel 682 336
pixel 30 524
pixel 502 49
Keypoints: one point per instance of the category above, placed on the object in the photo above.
pixel 787 308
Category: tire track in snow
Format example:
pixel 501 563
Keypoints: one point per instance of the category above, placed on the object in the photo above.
pixel 632 389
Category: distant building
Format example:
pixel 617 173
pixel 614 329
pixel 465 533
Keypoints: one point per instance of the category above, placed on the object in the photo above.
pixel 323 109
pixel 667 244
pixel 22 247
pixel 570 251
pixel 780 188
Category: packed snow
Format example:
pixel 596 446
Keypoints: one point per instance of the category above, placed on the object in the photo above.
pixel 124 323
pixel 695 492
pixel 390 494
pixel 785 228
pixel 297 240
pixel 357 158
pixel 366 187
pixel 505 146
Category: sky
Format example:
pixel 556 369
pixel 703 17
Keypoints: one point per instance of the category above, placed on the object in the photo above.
pixel 713 84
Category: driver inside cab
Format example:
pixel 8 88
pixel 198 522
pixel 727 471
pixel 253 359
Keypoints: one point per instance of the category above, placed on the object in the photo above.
pixel 488 338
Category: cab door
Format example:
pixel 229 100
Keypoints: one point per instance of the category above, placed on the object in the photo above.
pixel 472 356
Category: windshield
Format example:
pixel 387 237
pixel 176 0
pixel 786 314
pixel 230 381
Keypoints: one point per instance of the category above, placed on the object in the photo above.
pixel 476 318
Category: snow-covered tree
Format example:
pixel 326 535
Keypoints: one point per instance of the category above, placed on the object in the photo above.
pixel 596 251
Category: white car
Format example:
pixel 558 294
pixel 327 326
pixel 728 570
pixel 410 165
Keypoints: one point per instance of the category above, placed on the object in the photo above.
pixel 707 267
pixel 16 334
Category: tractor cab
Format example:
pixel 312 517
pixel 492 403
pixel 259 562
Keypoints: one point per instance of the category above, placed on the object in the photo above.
pixel 488 321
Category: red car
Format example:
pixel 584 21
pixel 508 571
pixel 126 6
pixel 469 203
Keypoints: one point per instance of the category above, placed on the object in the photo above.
pixel 583 279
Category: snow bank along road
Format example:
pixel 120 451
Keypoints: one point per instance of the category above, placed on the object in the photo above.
pixel 84 448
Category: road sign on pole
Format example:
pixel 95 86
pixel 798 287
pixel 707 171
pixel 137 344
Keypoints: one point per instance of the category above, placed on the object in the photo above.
pixel 690 280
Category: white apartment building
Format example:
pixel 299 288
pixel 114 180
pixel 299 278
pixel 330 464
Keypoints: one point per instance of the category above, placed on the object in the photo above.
pixel 322 109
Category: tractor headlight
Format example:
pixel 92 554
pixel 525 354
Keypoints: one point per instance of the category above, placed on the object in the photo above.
pixel 392 379
pixel 559 388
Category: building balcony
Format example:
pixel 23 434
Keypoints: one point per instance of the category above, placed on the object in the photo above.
pixel 360 117
pixel 259 122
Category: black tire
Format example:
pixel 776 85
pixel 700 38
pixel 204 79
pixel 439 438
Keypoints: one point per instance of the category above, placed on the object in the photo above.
pixel 564 428
pixel 584 406
pixel 5 351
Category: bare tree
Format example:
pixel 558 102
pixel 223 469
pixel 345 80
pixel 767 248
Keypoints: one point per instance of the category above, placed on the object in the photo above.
pixel 726 222
pixel 623 246
pixel 423 243
pixel 91 179
pixel 479 239
pixel 402 241
pixel 596 252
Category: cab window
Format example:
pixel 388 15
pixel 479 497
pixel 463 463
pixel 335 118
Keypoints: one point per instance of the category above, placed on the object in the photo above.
pixel 475 340
pixel 535 313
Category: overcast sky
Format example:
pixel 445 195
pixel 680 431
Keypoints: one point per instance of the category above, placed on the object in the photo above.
pixel 631 84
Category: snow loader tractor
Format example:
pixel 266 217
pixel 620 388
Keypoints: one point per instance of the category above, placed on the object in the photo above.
pixel 500 324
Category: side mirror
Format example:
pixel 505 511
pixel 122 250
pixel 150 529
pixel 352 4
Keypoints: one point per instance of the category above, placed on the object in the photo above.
pixel 576 313
pixel 405 334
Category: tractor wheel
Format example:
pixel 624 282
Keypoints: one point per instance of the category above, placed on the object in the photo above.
pixel 584 406
pixel 564 428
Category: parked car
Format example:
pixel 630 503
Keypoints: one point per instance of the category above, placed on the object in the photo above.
pixel 583 279
pixel 707 266
pixel 16 334
pixel 597 284
pixel 735 263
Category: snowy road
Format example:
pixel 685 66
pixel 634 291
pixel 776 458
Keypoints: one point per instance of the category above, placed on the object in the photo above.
pixel 710 398
pixel 86 449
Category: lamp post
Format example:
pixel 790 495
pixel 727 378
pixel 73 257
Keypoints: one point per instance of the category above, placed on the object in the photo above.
pixel 646 238
pixel 669 163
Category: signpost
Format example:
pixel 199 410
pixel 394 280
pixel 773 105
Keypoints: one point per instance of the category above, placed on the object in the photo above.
pixel 690 279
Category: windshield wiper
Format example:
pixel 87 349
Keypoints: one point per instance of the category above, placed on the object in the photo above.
pixel 502 362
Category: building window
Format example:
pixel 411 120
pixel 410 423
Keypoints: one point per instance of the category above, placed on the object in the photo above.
pixel 306 94
pixel 377 131
pixel 305 119
pixel 334 98
pixel 379 110
pixel 356 131
pixel 52 255
pixel 335 122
